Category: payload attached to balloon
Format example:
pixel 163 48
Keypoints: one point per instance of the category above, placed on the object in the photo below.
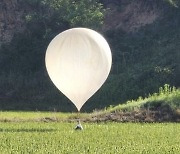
pixel 78 62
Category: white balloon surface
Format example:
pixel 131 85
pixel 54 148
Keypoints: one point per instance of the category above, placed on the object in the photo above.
pixel 78 62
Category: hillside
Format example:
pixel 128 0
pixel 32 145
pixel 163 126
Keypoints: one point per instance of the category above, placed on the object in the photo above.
pixel 143 34
pixel 163 106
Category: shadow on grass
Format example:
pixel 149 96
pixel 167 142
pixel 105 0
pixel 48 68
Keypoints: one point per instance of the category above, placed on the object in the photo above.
pixel 27 130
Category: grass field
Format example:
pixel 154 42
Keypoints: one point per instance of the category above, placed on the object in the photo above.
pixel 100 138
pixel 53 132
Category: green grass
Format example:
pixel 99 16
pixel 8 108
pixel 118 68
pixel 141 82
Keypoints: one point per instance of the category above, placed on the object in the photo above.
pixel 10 116
pixel 101 138
pixel 29 116
pixel 167 96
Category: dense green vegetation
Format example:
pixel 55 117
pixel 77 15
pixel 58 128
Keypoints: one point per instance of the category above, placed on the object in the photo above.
pixel 51 138
pixel 146 60
pixel 143 60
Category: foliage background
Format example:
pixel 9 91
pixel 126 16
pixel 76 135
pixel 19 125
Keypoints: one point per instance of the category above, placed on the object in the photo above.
pixel 143 60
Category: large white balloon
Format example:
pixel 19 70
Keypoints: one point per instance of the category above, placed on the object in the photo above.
pixel 78 62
